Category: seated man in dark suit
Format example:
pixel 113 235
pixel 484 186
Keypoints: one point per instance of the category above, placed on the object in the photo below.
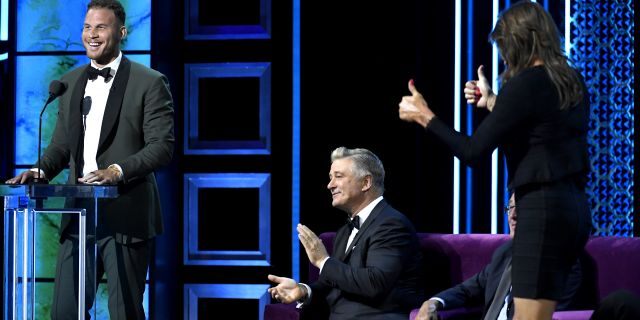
pixel 489 287
pixel 374 271
pixel 618 305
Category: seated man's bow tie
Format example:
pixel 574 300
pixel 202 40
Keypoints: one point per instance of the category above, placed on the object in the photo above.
pixel 354 223
pixel 94 73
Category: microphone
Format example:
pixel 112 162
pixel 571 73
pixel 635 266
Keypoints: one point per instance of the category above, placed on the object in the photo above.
pixel 86 107
pixel 56 89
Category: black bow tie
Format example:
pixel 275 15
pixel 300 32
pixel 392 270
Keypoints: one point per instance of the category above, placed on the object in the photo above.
pixel 354 223
pixel 94 73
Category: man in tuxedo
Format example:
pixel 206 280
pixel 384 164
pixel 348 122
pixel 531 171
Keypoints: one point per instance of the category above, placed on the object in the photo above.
pixel 374 272
pixel 126 135
pixel 485 285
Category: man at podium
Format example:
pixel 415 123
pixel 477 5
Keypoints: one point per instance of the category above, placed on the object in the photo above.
pixel 114 126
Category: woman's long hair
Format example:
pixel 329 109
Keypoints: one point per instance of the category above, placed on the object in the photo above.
pixel 526 32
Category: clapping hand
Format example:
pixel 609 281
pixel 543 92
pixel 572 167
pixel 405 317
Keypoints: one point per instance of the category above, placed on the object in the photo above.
pixel 314 247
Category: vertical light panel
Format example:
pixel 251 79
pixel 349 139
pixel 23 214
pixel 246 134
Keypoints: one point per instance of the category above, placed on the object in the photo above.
pixel 456 115
pixel 567 27
pixel 295 148
pixel 4 26
pixel 494 191
pixel 494 50
pixel 4 20
pixel 470 75
pixel 506 197
pixel 494 155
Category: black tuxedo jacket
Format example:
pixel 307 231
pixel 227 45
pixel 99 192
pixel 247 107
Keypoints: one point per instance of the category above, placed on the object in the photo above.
pixel 136 133
pixel 378 277
pixel 482 286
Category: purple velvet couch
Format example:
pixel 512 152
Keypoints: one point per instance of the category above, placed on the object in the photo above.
pixel 609 264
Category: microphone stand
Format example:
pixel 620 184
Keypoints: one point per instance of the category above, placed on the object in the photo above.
pixel 39 179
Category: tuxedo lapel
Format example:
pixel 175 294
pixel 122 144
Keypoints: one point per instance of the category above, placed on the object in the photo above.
pixel 341 242
pixel 494 277
pixel 363 228
pixel 74 124
pixel 114 103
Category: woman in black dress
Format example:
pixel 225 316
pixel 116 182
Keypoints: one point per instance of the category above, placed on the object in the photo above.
pixel 540 120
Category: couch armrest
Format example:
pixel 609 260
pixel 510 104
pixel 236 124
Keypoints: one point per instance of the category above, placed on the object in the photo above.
pixel 572 315
pixel 280 311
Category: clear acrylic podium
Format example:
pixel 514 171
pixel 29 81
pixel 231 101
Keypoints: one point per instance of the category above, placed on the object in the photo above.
pixel 22 204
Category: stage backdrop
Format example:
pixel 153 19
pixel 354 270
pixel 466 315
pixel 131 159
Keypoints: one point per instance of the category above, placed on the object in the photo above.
pixel 264 91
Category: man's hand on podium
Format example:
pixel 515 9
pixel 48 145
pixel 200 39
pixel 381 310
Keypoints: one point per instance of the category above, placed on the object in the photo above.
pixel 24 177
pixel 104 176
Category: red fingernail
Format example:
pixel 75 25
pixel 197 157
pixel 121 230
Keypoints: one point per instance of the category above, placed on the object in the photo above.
pixel 411 82
pixel 477 92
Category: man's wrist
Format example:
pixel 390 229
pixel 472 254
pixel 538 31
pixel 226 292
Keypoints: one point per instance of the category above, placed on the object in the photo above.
pixel 306 295
pixel 323 262
pixel 435 304
pixel 117 170
pixel 38 171
pixel 304 291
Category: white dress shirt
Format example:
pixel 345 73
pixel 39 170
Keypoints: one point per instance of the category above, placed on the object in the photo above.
pixel 363 214
pixel 503 311
pixel 98 90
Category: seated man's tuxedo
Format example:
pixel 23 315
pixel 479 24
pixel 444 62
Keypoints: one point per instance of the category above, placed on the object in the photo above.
pixel 376 277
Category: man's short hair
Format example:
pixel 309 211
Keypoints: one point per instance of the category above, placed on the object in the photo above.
pixel 365 163
pixel 113 5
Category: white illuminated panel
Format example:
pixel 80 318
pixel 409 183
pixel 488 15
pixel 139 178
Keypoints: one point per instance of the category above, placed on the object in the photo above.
pixel 456 114
pixel 567 27
pixel 494 155
pixel 4 20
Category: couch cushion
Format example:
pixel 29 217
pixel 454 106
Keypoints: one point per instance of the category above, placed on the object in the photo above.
pixel 452 258
pixel 279 311
pixel 572 315
pixel 616 261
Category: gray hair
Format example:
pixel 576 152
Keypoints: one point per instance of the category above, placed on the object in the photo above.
pixel 365 163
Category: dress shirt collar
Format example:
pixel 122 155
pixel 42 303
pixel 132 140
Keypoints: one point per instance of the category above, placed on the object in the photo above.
pixel 366 211
pixel 113 64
